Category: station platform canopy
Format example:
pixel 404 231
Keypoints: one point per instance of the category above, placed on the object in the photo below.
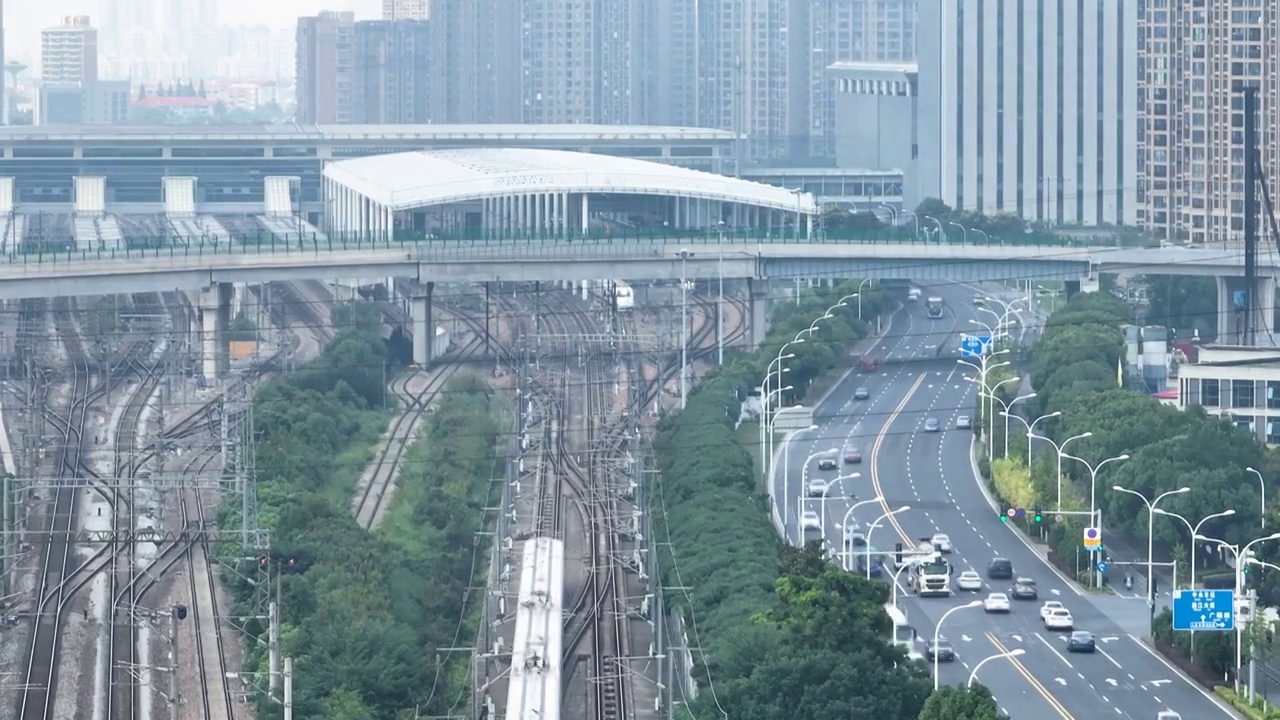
pixel 511 190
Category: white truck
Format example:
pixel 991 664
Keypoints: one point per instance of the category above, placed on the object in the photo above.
pixel 930 576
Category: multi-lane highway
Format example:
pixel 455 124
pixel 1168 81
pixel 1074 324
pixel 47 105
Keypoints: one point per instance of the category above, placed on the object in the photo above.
pixel 932 473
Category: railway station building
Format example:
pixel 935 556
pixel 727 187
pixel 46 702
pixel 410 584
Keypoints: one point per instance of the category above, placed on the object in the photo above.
pixel 527 192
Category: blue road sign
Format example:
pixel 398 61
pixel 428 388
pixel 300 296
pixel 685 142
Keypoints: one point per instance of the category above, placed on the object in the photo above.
pixel 1204 610
pixel 973 345
pixel 1102 566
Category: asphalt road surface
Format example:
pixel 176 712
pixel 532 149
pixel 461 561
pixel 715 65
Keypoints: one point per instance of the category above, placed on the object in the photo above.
pixel 932 472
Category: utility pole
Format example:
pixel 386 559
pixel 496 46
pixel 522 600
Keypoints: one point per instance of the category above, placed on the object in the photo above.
pixel 288 688
pixel 1250 214
pixel 174 697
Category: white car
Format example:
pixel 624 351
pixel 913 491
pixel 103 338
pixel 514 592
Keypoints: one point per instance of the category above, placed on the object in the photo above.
pixel 996 602
pixel 942 542
pixel 1059 619
pixel 970 581
pixel 818 487
pixel 809 520
pixel 1049 607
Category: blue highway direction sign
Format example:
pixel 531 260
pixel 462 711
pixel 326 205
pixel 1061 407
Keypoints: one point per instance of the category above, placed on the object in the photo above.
pixel 1204 610
pixel 974 345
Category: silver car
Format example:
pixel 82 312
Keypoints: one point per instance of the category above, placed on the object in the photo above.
pixel 964 422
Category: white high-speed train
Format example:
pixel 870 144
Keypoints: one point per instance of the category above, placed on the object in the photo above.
pixel 624 297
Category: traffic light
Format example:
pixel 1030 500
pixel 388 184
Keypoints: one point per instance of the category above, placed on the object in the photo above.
pixel 897 553
pixel 1038 516
pixel 1004 518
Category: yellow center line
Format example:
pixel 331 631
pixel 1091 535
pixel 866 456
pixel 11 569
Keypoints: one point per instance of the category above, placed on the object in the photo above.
pixel 1040 688
pixel 908 542
pixel 875 463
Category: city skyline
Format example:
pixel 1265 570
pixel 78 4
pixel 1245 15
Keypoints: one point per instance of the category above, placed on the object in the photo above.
pixel 23 22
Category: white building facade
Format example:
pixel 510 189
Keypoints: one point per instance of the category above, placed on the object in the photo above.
pixel 1030 107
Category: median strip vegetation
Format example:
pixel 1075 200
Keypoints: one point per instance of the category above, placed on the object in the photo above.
pixel 774 640
pixel 364 615
pixel 1076 371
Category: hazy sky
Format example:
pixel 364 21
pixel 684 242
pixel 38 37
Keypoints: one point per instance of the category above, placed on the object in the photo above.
pixel 23 19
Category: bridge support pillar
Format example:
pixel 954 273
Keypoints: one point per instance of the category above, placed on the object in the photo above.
pixel 757 311
pixel 1231 315
pixel 215 319
pixel 423 326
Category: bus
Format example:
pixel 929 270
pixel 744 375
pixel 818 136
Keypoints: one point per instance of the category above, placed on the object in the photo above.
pixel 934 305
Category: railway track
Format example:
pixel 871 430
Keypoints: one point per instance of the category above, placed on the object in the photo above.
pixel 37 701
pixel 386 467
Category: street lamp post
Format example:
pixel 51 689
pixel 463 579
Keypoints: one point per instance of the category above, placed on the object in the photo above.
pixel 720 293
pixel 684 328
pixel 964 232
pixel 1005 408
pixel 844 551
pixel 982 368
pixel 992 397
pixel 985 237
pixel 937 635
pixel 1262 489
pixel 1241 555
pixel 822 504
pixel 942 233
pixel 1093 488
pixel 766 427
pixel 999 656
pixel 893 214
pixel 871 528
pixel 1059 449
pixel 1151 535
pixel 1195 532
pixel 1031 429
pixel 786 473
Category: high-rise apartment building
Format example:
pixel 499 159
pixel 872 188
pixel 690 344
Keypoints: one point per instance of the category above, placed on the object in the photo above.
pixel 392 60
pixel 477 77
pixel 4 100
pixel 1194 58
pixel 544 61
pixel 69 52
pixel 326 74
pixel 844 31
pixel 1030 107
pixel 405 9
pixel 374 71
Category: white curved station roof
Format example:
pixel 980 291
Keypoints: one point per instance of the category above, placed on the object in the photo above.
pixel 409 180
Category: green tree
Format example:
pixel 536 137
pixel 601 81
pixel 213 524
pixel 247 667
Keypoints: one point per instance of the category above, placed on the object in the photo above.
pixel 954 703
pixel 1185 303
pixel 933 207
pixel 242 329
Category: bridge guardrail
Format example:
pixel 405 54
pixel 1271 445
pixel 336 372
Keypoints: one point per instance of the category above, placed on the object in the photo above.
pixel 630 240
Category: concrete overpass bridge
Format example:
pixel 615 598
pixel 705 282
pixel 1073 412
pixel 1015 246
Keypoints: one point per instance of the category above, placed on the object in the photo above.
pixel 211 266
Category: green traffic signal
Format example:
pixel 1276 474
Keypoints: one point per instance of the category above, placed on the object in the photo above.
pixel 1004 518
pixel 1039 517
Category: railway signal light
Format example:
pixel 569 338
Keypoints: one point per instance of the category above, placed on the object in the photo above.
pixel 180 611
pixel 263 561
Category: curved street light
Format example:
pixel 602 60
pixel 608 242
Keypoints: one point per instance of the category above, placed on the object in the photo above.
pixel 1262 489
pixel 871 528
pixel 1059 449
pixel 844 525
pixel 1151 536
pixel 786 475
pixel 1195 532
pixel 1239 552
pixel 937 633
pixel 999 656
